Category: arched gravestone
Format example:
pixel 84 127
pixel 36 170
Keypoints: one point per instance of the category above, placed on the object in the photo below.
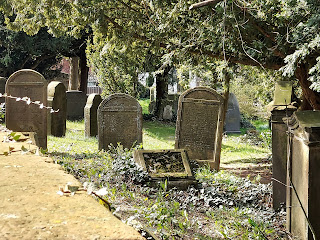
pixel 232 121
pixel 90 115
pixel 57 100
pixel 199 126
pixel 21 117
pixel 2 88
pixel 119 121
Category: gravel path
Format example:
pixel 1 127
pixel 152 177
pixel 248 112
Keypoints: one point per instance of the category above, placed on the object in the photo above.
pixel 31 208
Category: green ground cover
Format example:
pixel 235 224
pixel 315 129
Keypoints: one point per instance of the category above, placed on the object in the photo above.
pixel 223 206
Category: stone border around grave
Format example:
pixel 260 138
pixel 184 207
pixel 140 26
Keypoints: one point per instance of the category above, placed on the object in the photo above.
pixel 139 158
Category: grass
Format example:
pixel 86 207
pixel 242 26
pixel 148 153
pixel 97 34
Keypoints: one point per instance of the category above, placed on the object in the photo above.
pixel 144 102
pixel 171 214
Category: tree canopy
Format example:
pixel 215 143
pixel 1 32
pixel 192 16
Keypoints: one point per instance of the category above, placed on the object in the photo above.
pixel 272 34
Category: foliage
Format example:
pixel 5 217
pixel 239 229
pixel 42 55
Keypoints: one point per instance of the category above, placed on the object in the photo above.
pixel 270 34
pixel 222 205
pixel 39 52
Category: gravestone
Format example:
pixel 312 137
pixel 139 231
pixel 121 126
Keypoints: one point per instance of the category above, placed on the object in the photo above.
pixel 76 101
pixel 303 182
pixel 90 115
pixel 279 130
pixel 2 88
pixel 21 117
pixel 199 125
pixel 119 121
pixel 232 121
pixel 175 100
pixel 167 113
pixel 57 100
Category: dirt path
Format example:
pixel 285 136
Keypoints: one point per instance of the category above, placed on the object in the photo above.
pixel 30 207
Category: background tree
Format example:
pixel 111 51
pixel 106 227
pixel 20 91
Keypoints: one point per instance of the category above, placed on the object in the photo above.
pixel 271 34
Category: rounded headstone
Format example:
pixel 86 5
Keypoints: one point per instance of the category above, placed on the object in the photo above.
pixel 58 101
pixel 119 121
pixel 23 117
pixel 90 115
pixel 199 123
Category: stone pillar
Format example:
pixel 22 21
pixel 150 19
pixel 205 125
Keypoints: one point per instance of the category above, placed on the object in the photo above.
pixel 90 115
pixel 74 74
pixel 281 109
pixel 279 153
pixel 303 174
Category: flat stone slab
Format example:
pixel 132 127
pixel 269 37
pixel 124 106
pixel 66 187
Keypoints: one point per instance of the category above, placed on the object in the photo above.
pixel 172 164
pixel 30 207
pixel 164 163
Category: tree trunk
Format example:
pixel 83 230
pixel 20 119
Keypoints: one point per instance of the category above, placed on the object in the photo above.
pixel 74 74
pixel 84 70
pixel 311 99
pixel 161 90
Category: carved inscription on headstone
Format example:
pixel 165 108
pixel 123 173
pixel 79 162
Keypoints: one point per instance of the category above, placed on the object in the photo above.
pixel 119 121
pixel 57 100
pixel 232 121
pixel 199 123
pixel 2 88
pixel 90 115
pixel 21 117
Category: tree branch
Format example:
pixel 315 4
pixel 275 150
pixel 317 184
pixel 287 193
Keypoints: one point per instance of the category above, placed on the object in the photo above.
pixel 204 3
pixel 40 59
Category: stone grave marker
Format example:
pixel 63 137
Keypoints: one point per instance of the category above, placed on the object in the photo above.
pixel 76 101
pixel 2 88
pixel 283 93
pixel 90 115
pixel 199 126
pixel 167 112
pixel 21 117
pixel 119 121
pixel 303 182
pixel 172 165
pixel 232 121
pixel 57 100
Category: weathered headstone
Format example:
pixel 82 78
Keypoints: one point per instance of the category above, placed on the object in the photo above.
pixel 2 88
pixel 303 182
pixel 167 113
pixel 58 101
pixel 279 130
pixel 119 121
pixel 21 117
pixel 90 115
pixel 175 100
pixel 232 121
pixel 199 125
pixel 76 101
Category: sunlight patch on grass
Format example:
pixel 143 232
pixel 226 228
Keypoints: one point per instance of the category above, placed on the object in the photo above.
pixel 144 102
pixel 158 135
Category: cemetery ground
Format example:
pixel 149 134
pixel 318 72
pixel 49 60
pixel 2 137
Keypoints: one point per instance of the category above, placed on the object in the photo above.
pixel 234 203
